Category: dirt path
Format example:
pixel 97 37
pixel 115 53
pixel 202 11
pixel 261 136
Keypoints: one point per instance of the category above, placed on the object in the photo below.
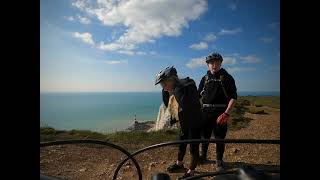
pixel 97 162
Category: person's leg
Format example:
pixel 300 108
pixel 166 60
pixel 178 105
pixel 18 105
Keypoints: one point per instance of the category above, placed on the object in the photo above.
pixel 182 147
pixel 178 165
pixel 194 148
pixel 206 133
pixel 194 151
pixel 220 132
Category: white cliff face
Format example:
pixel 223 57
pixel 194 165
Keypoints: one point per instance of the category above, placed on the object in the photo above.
pixel 165 114
pixel 163 119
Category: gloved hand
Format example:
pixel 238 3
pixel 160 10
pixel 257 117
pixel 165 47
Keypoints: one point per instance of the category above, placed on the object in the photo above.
pixel 223 118
pixel 172 121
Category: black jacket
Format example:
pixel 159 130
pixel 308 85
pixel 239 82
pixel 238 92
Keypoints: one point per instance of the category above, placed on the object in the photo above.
pixel 214 93
pixel 187 97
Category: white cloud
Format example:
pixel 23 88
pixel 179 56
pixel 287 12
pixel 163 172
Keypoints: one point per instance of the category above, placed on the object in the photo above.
pixel 81 4
pixel 210 37
pixel 266 39
pixel 196 62
pixel 240 69
pixel 85 37
pixel 70 18
pixel 234 55
pixel 232 6
pixel 229 60
pixel 153 52
pixel 145 21
pixel 230 32
pixel 114 46
pixel 83 20
pixel 127 52
pixel 131 53
pixel 200 46
pixel 250 59
pixel 116 62
pixel 141 53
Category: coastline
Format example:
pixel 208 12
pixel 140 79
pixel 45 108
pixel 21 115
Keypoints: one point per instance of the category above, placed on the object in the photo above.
pixel 240 109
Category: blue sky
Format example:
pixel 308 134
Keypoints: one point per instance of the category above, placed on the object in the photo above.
pixel 120 45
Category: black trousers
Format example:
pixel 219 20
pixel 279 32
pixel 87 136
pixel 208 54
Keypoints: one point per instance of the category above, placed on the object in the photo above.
pixel 191 133
pixel 219 131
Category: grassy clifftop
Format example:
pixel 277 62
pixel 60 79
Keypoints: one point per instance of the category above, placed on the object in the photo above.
pixel 125 137
pixel 270 101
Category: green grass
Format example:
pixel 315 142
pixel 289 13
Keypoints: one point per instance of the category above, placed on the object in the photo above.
pixel 252 104
pixel 258 101
pixel 240 108
pixel 142 137
pixel 237 119
pixel 50 134
pixel 134 137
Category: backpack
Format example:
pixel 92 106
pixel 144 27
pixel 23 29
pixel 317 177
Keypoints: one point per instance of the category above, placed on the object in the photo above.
pixel 222 81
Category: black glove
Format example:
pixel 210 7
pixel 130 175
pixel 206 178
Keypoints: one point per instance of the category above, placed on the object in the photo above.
pixel 172 121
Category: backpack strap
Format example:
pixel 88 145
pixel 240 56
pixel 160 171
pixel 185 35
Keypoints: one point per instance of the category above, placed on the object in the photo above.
pixel 223 88
pixel 206 79
pixel 214 91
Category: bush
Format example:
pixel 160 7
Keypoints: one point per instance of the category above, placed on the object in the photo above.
pixel 47 131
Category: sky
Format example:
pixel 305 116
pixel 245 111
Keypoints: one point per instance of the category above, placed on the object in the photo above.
pixel 120 45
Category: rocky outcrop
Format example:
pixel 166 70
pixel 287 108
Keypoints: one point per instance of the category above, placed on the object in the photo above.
pixel 165 114
pixel 163 119
pixel 141 126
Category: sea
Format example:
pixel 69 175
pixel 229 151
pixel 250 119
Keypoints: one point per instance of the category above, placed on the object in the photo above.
pixel 104 112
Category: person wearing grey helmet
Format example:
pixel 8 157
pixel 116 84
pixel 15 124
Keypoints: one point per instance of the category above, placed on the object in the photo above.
pixel 186 96
pixel 218 93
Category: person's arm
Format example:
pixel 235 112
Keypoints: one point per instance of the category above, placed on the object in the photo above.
pixel 224 117
pixel 200 87
pixel 232 91
pixel 231 103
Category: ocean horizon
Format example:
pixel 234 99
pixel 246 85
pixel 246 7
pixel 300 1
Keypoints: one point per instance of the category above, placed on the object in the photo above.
pixel 105 111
